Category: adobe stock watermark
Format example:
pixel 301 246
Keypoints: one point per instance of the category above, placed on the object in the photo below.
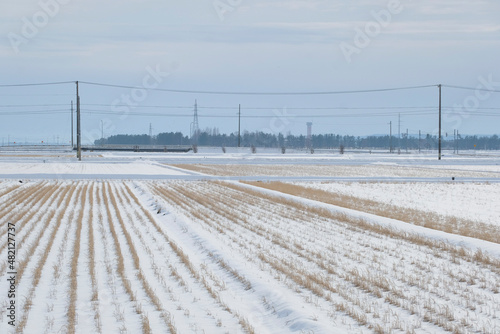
pixel 372 29
pixel 281 122
pixel 123 105
pixel 31 26
pixel 462 111
pixel 222 7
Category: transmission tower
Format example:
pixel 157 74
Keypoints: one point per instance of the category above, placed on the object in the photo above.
pixel 194 126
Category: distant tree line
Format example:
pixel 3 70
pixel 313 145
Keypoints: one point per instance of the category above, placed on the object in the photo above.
pixel 212 137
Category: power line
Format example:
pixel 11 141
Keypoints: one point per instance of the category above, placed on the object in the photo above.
pixel 33 112
pixel 145 114
pixel 30 105
pixel 472 88
pixel 39 84
pixel 257 93
pixel 44 95
pixel 399 108
pixel 368 113
pixel 259 108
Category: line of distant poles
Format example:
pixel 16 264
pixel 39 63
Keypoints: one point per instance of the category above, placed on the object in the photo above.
pixel 194 124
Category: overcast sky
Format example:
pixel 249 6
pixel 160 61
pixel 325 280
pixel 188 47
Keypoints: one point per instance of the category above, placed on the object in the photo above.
pixel 248 46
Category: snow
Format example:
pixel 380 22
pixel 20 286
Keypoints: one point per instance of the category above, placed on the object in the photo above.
pixel 473 201
pixel 218 256
pixel 88 168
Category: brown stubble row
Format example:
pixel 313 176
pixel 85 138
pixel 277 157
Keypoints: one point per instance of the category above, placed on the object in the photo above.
pixel 57 220
pixel 9 189
pixel 169 196
pixel 328 170
pixel 390 232
pixel 180 254
pixel 233 210
pixel 208 201
pixel 101 241
pixel 91 254
pixel 107 197
pixel 449 224
pixel 71 314
pixel 165 315
pixel 20 208
pixel 50 195
pixel 309 280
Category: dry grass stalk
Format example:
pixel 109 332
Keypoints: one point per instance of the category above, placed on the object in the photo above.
pixel 431 220
pixel 33 246
pixel 319 283
pixel 74 264
pixel 41 263
pixel 184 258
pixel 23 194
pixel 119 253
pixel 147 288
pixel 364 225
pixel 36 198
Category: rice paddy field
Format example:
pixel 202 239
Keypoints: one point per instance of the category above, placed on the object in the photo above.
pixel 242 243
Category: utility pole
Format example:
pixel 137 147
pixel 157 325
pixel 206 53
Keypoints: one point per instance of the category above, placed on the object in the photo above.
pixel 454 141
pixel 419 135
pixel 390 137
pixel 439 142
pixel 72 144
pixel 458 140
pixel 239 125
pixel 399 133
pixel 102 131
pixel 78 127
pixel 406 140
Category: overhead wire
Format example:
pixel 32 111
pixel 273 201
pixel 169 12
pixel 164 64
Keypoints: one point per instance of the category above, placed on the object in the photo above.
pixel 38 84
pixel 406 110
pixel 472 88
pixel 256 93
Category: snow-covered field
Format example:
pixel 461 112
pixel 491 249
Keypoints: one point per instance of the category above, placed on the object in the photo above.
pixel 471 201
pixel 91 168
pixel 174 254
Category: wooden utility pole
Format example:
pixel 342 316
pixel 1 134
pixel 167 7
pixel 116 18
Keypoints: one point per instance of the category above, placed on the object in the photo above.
pixel 239 125
pixel 78 126
pixel 439 141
